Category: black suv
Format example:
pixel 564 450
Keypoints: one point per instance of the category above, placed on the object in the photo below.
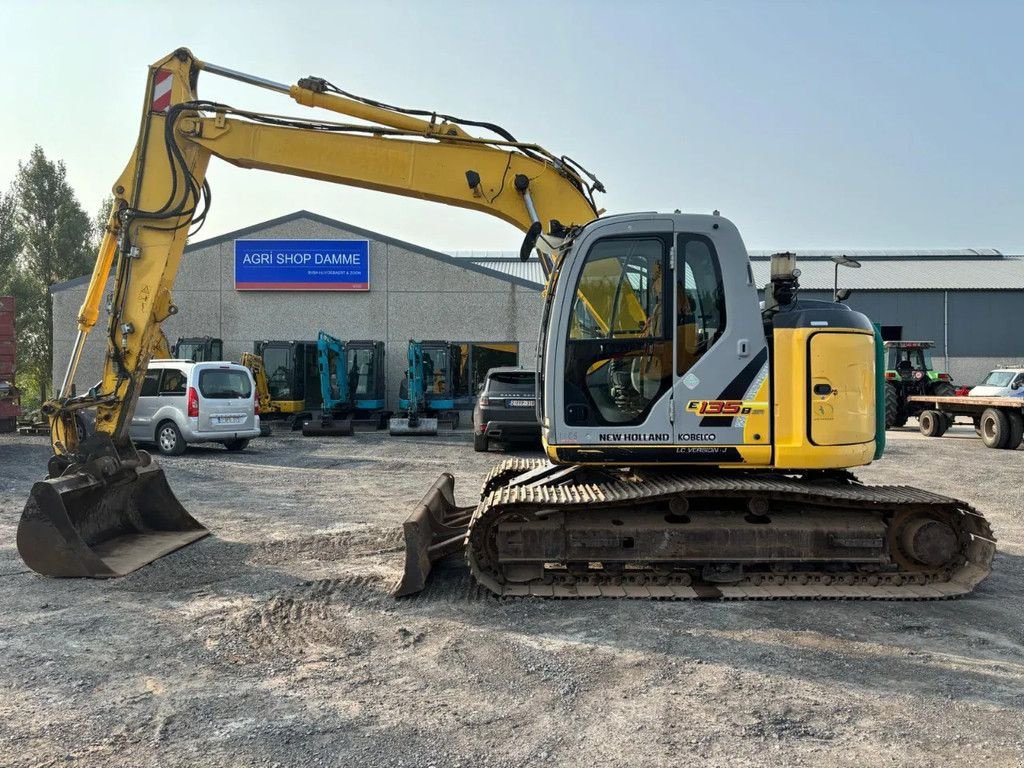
pixel 506 408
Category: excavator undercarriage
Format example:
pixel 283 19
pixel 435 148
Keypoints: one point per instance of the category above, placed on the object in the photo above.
pixel 574 531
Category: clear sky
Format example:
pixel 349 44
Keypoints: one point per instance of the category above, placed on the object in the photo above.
pixel 809 124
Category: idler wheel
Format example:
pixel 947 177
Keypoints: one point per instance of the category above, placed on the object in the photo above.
pixel 929 542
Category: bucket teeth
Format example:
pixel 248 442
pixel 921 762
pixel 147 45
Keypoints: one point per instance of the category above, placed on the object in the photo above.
pixel 78 526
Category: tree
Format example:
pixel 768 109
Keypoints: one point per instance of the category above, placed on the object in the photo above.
pixel 52 239
pixel 10 243
pixel 99 223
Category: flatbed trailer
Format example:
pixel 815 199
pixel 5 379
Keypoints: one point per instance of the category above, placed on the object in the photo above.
pixel 999 421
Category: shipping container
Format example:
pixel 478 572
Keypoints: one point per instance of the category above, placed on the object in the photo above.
pixel 8 363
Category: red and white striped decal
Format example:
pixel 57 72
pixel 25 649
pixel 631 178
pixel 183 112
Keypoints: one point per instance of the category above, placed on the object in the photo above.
pixel 161 90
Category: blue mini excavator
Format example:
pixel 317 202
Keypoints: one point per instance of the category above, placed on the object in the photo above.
pixel 428 391
pixel 351 386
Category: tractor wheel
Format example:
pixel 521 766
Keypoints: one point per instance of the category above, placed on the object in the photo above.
pixel 1016 429
pixel 894 414
pixel 943 389
pixel 932 423
pixel 995 428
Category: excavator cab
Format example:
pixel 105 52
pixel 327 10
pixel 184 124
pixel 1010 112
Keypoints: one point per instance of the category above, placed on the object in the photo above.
pixel 654 330
pixel 293 378
pixel 367 384
pixel 198 349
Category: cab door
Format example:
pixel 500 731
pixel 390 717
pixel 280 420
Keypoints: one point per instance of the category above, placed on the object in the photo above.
pixel 618 343
pixel 842 391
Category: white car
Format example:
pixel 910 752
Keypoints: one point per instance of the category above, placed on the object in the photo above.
pixel 1002 382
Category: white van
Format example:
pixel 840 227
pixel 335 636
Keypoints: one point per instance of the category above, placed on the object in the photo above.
pixel 1002 382
pixel 183 402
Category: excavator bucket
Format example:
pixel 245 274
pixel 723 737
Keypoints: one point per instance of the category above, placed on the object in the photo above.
pixel 436 529
pixel 78 526
pixel 421 426
pixel 327 427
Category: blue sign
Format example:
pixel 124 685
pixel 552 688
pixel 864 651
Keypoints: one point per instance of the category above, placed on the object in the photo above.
pixel 302 265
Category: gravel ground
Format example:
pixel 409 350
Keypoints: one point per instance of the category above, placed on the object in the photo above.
pixel 274 642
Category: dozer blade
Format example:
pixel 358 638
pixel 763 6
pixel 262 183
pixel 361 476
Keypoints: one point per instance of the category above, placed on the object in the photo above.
pixel 77 526
pixel 435 529
pixel 403 426
pixel 327 428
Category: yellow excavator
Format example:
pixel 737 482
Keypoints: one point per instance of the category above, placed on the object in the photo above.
pixel 697 438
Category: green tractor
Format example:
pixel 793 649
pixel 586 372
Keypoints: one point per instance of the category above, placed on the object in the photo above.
pixel 909 371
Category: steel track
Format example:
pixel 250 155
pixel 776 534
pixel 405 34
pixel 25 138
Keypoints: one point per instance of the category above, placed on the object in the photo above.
pixel 504 499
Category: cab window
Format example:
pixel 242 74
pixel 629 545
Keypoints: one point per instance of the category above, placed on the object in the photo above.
pixel 224 384
pixel 172 382
pixel 998 379
pixel 618 351
pixel 360 370
pixel 700 300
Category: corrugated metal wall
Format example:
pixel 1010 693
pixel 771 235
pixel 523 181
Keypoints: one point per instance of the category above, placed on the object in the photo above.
pixel 984 326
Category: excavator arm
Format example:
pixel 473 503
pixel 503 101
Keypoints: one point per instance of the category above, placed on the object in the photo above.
pixel 330 353
pixel 106 508
pixel 255 365
pixel 161 190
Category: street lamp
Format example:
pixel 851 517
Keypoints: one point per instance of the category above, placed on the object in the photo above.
pixel 846 261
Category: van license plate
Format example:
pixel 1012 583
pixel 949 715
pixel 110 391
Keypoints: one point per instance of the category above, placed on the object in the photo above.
pixel 228 419
pixel 521 403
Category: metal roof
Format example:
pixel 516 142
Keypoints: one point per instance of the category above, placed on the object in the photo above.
pixel 892 255
pixel 917 270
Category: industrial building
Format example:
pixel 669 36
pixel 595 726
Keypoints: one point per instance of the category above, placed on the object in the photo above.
pixel 399 292
pixel 366 285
